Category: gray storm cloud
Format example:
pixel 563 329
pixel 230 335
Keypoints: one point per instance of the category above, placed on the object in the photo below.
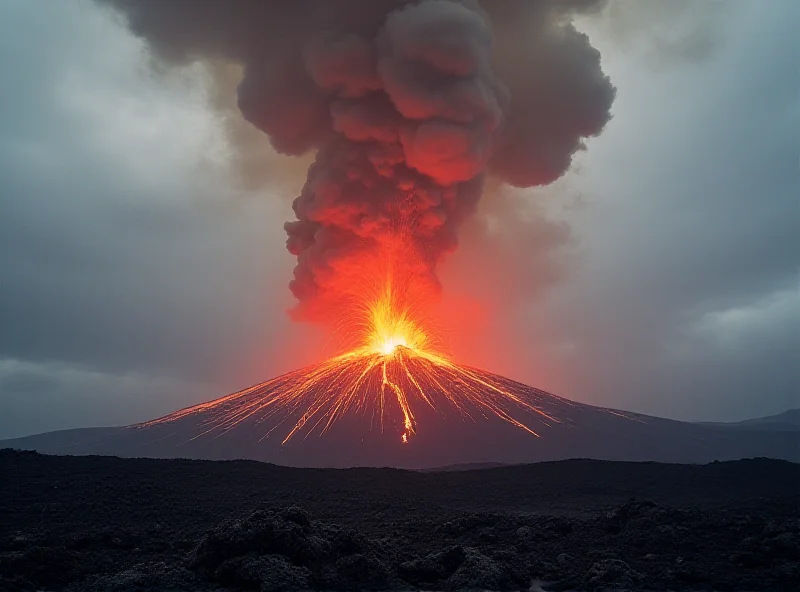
pixel 408 106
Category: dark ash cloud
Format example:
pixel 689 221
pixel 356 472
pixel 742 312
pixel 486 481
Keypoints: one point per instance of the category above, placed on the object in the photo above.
pixel 407 106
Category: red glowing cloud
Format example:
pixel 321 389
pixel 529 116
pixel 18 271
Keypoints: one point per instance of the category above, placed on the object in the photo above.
pixel 407 106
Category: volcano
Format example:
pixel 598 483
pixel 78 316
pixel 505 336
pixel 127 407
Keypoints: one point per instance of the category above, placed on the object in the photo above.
pixel 405 410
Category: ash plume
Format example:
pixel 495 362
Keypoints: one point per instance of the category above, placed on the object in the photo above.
pixel 408 106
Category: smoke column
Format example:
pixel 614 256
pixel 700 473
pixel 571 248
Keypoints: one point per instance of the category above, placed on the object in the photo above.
pixel 408 107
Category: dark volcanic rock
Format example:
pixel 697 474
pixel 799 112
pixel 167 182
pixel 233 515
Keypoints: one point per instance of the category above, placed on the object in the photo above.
pixel 434 567
pixel 146 577
pixel 612 572
pixel 635 513
pixel 465 568
pixel 285 550
pixel 80 524
pixel 348 541
pixel 268 573
pixel 524 533
pixel 362 572
pixel 43 567
pixel 261 533
pixel 478 572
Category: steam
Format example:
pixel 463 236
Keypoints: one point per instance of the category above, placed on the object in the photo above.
pixel 408 106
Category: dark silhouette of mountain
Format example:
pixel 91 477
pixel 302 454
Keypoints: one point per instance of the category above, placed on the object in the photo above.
pixel 452 425
pixel 790 417
pixel 466 467
pixel 786 421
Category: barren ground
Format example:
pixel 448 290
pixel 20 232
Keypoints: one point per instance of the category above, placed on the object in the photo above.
pixel 103 523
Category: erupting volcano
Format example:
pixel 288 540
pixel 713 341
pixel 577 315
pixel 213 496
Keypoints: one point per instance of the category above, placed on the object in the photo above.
pixel 393 399
pixel 408 107
pixel 392 391
pixel 410 110
pixel 386 380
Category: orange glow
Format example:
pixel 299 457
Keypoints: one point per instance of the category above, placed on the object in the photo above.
pixel 391 326
pixel 390 377
pixel 393 370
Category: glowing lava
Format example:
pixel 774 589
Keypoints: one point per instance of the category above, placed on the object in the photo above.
pixel 388 380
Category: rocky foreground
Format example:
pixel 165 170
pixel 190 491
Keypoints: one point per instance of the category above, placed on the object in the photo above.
pixel 98 523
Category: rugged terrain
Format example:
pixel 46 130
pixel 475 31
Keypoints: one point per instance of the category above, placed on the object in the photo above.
pixel 102 523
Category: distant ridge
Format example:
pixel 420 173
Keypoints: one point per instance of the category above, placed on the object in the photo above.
pixel 788 421
pixel 467 467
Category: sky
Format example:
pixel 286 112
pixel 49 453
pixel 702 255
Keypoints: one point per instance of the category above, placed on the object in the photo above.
pixel 142 259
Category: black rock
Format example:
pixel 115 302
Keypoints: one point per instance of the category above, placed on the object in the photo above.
pixel 125 525
pixel 432 568
pixel 297 515
pixel 478 572
pixel 262 533
pixel 43 567
pixel 362 572
pixel 611 572
pixel 268 573
pixel 524 533
pixel 146 577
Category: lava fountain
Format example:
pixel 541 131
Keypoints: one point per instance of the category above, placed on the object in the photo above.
pixel 393 371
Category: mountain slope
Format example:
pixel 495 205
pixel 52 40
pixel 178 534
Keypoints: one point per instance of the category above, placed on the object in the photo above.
pixel 407 411
pixel 787 420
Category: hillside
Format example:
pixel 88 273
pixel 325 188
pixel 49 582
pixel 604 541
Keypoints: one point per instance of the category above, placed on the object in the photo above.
pixel 414 413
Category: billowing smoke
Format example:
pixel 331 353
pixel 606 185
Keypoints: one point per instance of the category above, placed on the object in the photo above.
pixel 408 106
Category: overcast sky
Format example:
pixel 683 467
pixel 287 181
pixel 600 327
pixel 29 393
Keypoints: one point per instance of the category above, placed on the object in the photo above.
pixel 140 274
